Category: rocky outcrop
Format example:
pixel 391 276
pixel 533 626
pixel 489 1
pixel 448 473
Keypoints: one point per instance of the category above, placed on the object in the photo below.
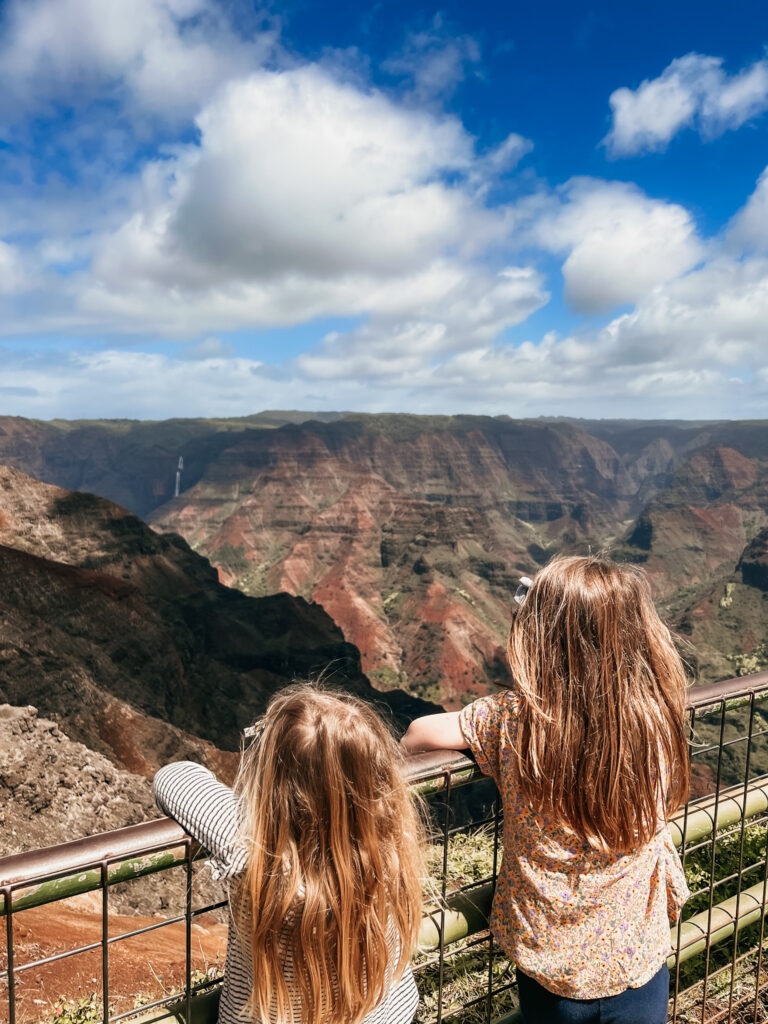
pixel 383 520
pixel 51 787
pixel 130 462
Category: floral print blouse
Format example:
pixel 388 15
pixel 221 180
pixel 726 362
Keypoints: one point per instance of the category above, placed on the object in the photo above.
pixel 585 923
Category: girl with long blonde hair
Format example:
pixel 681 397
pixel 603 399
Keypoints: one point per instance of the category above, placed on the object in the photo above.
pixel 321 844
pixel 588 747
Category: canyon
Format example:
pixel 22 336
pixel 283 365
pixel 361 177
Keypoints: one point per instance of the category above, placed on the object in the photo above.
pixel 410 531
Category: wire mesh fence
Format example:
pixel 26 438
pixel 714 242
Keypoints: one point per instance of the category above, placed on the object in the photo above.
pixel 718 957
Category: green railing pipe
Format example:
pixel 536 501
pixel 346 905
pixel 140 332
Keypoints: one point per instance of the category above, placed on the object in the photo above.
pixel 693 932
pixel 77 865
pixel 733 806
pixel 466 913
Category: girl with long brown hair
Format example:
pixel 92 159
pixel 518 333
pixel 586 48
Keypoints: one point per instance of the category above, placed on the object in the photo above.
pixel 321 844
pixel 589 750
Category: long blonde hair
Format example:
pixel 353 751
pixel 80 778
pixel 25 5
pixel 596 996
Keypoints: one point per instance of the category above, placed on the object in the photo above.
pixel 600 741
pixel 334 858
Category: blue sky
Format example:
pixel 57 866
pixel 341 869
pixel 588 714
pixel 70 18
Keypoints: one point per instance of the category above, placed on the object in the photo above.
pixel 209 208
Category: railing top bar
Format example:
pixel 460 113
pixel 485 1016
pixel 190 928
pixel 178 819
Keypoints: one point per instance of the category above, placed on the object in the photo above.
pixel 742 686
pixel 420 767
pixel 135 840
pixel 123 843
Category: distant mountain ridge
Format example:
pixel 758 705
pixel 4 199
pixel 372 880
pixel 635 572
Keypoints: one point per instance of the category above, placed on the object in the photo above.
pixel 130 462
pixel 411 530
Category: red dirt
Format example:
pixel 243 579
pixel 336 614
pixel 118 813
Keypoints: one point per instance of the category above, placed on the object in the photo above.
pixel 740 471
pixel 141 969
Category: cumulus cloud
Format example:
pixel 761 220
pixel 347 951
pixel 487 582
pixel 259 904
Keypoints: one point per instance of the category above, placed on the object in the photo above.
pixel 243 230
pixel 156 57
pixel 116 381
pixel 621 244
pixel 120 383
pixel 306 196
pixel 305 193
pixel 496 162
pixel 693 91
pixel 319 177
pixel 693 346
pixel 714 316
pixel 208 348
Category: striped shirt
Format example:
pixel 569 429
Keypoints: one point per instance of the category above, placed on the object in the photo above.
pixel 208 811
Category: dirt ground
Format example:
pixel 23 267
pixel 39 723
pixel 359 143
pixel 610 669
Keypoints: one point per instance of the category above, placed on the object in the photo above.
pixel 141 968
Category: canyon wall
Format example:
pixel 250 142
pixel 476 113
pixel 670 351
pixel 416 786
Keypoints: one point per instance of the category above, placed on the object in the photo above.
pixel 410 531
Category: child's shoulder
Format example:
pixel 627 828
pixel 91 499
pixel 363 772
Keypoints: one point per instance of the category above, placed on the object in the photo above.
pixel 484 724
pixel 491 712
pixel 504 704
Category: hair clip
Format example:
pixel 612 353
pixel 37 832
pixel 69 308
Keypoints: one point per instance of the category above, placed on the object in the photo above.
pixel 253 732
pixel 522 590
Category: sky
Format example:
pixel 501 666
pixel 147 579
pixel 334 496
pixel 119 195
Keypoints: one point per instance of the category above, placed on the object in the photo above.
pixel 212 207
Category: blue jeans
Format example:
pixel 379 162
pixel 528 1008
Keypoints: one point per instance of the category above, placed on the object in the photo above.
pixel 644 1005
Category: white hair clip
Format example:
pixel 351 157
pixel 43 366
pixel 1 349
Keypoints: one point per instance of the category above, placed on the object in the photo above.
pixel 253 732
pixel 522 591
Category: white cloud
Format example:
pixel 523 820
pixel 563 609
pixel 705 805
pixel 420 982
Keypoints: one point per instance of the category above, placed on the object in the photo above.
pixel 503 157
pixel 693 347
pixel 14 279
pixel 309 194
pixel 748 230
pixel 390 347
pixel 300 172
pixel 715 316
pixel 305 197
pixel 310 197
pixel 117 381
pixel 621 244
pixel 434 61
pixel 693 91
pixel 158 57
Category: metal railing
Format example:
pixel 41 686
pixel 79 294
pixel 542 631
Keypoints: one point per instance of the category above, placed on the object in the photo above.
pixel 717 958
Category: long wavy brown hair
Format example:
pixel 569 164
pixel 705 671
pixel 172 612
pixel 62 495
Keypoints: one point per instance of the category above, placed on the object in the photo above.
pixel 600 741
pixel 333 876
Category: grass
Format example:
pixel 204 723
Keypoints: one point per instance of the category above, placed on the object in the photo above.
pixel 465 972
pixel 465 981
pixel 86 1010
pixel 90 1009
pixel 755 661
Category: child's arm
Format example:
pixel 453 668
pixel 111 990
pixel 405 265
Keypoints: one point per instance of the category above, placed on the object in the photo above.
pixel 434 732
pixel 204 807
